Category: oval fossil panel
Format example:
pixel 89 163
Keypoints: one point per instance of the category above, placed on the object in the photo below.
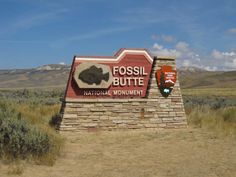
pixel 93 75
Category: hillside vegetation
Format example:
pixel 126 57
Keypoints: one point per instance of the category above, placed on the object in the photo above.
pixel 55 76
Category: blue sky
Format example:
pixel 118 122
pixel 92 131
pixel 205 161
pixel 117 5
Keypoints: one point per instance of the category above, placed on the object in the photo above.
pixel 37 32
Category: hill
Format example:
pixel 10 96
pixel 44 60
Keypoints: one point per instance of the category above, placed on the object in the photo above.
pixel 56 75
pixel 199 78
pixel 47 76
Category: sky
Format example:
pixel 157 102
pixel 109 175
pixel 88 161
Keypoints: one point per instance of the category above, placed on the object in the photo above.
pixel 200 33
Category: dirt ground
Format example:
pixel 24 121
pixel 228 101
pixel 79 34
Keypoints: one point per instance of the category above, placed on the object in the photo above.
pixel 164 153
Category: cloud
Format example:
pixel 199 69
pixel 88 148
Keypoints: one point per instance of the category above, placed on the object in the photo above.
pixel 168 38
pixel 232 31
pixel 23 41
pixel 159 50
pixel 143 15
pixel 230 54
pixel 165 38
pixel 209 68
pixel 98 33
pixel 37 19
pixel 181 50
pixel 28 21
pixel 187 63
pixel 182 46
pixel 62 63
pixel 220 55
pixel 185 56
pixel 89 35
pixel 216 54
pixel 227 60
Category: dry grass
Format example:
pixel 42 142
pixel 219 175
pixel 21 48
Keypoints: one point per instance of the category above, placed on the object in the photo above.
pixel 15 168
pixel 221 121
pixel 38 113
pixel 165 153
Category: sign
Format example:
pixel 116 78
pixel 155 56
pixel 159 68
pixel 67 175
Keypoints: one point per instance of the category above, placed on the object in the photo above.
pixel 126 75
pixel 166 78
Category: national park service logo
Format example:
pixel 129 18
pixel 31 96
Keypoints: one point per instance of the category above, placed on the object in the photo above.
pixel 166 78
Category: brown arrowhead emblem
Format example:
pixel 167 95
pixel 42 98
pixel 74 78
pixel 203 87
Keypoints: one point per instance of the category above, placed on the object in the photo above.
pixel 166 78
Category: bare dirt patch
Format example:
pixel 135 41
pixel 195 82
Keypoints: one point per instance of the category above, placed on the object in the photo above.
pixel 165 153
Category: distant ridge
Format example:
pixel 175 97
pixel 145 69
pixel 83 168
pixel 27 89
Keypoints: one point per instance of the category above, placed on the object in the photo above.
pixel 51 67
pixel 46 76
pixel 56 75
pixel 191 69
pixel 193 77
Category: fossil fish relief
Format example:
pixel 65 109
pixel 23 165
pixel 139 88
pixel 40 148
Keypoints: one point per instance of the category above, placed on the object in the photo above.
pixel 93 75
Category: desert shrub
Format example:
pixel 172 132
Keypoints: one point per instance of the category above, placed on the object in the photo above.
pixel 19 139
pixel 229 115
pixel 212 102
pixel 55 120
pixel 33 96
pixel 22 138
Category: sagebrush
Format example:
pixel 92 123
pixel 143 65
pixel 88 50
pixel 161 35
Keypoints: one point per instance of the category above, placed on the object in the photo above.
pixel 21 136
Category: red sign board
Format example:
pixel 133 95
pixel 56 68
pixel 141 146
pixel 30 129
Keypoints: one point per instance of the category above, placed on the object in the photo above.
pixel 166 78
pixel 125 75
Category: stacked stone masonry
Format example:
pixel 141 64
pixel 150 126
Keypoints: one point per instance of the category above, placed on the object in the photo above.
pixel 153 112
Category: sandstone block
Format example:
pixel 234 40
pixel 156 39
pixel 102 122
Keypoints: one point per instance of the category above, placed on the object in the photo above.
pixel 88 125
pixel 70 116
